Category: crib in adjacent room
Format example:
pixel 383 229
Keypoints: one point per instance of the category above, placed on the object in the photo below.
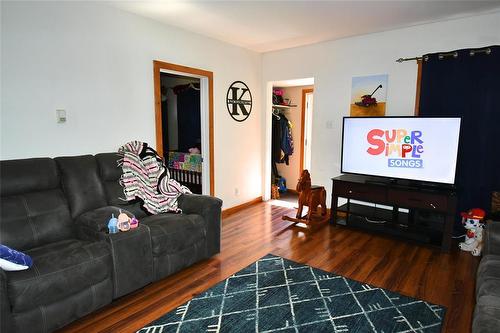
pixel 186 169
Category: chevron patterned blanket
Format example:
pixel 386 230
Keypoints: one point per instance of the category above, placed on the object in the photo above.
pixel 146 177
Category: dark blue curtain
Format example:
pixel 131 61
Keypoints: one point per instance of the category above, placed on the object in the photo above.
pixel 465 85
pixel 164 126
pixel 189 119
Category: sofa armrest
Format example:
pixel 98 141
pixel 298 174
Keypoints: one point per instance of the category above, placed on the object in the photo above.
pixel 210 209
pixel 97 219
pixel 492 238
pixel 132 260
pixel 131 251
pixel 5 312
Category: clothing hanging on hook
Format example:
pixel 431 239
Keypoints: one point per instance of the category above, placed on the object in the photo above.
pixel 282 141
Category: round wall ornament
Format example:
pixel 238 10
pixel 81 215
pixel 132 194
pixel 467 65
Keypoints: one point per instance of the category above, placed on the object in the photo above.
pixel 239 101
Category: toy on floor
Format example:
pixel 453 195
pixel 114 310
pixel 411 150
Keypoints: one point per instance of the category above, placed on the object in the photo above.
pixel 311 196
pixel 473 223
pixel 282 184
pixel 113 224
pixel 275 193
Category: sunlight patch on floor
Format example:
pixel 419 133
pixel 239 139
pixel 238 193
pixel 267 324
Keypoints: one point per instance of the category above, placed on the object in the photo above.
pixel 287 204
pixel 283 203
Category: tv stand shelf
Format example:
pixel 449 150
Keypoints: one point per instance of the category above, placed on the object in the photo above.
pixel 430 216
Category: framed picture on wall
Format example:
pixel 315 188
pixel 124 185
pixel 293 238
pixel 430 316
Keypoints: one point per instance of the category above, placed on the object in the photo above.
pixel 368 95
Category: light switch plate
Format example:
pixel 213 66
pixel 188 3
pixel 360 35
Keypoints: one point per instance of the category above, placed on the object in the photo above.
pixel 61 115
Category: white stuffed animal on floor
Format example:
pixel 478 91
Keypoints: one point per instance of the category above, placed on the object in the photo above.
pixel 473 224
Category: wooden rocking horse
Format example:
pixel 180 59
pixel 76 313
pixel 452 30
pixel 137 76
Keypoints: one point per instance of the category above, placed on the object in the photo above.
pixel 310 196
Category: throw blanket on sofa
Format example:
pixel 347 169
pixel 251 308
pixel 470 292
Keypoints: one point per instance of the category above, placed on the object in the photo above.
pixel 146 177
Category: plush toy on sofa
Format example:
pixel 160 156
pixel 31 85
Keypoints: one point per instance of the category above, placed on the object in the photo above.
pixel 473 223
pixel 12 260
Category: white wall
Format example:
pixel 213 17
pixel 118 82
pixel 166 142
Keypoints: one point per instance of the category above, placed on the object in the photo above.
pixel 97 63
pixel 333 64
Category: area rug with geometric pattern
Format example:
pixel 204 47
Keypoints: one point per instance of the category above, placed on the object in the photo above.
pixel 279 295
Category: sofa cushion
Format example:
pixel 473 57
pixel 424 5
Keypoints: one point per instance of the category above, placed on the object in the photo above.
pixel 33 209
pixel 59 269
pixel 108 166
pixel 491 238
pixel 34 218
pixel 486 315
pixel 171 233
pixel 28 175
pixel 110 174
pixel 81 183
pixel 488 276
pixel 49 318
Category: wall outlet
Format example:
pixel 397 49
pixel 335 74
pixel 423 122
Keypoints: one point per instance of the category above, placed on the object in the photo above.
pixel 329 124
pixel 236 191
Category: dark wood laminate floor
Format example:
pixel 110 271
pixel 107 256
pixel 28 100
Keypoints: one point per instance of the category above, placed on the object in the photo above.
pixel 417 271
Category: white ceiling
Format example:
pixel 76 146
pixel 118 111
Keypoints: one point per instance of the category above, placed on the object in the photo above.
pixel 272 25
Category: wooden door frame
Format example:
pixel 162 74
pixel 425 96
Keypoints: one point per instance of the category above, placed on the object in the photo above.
pixel 157 67
pixel 302 129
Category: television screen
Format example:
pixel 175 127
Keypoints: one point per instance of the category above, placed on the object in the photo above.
pixel 414 148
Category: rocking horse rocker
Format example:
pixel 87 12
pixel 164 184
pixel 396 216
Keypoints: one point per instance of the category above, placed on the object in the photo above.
pixel 310 196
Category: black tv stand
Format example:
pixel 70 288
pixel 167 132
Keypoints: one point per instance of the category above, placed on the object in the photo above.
pixel 381 182
pixel 428 216
pixel 403 183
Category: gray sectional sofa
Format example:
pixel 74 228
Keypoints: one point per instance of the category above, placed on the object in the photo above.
pixel 487 311
pixel 56 210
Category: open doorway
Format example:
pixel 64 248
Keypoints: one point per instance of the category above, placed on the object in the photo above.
pixel 181 129
pixel 288 126
pixel 184 123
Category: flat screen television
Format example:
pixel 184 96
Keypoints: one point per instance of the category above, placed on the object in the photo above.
pixel 414 148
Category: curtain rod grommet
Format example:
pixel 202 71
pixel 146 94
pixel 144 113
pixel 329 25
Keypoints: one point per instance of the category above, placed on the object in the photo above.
pixel 486 51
